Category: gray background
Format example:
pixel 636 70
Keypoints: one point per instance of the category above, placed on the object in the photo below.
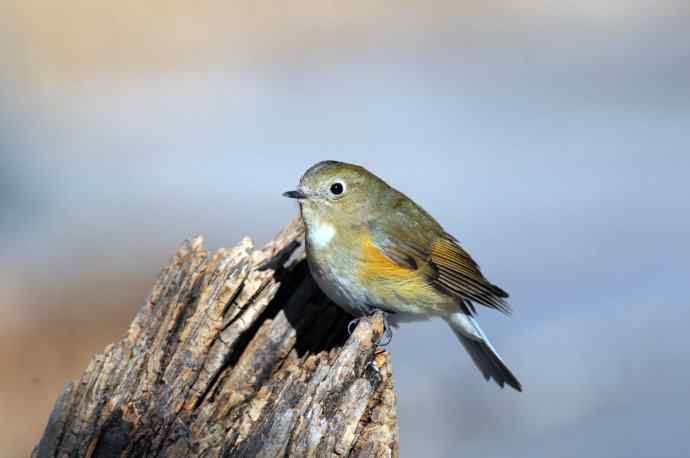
pixel 551 138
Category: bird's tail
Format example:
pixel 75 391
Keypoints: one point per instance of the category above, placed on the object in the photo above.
pixel 481 351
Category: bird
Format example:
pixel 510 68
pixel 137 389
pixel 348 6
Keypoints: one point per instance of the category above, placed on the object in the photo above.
pixel 371 248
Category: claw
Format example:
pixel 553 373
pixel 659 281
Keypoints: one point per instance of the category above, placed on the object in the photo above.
pixel 351 325
pixel 387 336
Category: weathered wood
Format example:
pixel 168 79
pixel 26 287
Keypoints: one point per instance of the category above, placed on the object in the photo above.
pixel 234 354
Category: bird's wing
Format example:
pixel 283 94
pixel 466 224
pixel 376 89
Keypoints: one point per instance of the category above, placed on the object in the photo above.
pixel 460 274
pixel 410 237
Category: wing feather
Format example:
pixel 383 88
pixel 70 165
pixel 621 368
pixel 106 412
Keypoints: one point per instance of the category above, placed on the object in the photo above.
pixel 459 273
pixel 416 241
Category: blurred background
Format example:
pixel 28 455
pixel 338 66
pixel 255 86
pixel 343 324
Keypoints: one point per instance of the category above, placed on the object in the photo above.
pixel 551 137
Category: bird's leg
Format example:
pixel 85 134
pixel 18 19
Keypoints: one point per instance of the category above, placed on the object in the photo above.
pixel 353 324
pixel 369 311
pixel 387 332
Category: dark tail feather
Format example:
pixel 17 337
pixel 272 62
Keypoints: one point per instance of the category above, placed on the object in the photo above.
pixel 482 353
pixel 490 364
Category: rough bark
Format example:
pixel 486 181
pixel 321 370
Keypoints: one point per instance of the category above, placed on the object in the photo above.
pixel 234 354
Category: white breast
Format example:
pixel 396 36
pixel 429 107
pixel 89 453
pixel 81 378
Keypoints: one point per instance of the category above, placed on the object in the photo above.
pixel 332 268
pixel 321 234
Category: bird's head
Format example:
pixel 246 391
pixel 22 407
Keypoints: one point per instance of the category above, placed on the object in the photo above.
pixel 338 193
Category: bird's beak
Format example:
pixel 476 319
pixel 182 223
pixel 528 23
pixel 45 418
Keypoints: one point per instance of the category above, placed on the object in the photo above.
pixel 298 194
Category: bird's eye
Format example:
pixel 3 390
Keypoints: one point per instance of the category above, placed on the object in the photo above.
pixel 337 189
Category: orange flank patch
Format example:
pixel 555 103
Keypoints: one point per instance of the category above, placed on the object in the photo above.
pixel 376 265
pixel 387 279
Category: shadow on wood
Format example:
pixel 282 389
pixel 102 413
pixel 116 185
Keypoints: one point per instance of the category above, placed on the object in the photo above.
pixel 234 354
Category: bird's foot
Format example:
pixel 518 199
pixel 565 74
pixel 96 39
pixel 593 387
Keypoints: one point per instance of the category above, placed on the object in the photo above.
pixel 353 324
pixel 387 335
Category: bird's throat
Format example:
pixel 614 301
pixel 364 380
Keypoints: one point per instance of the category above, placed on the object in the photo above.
pixel 321 234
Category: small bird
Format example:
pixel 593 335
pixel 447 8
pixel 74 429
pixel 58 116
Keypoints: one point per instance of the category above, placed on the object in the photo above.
pixel 369 247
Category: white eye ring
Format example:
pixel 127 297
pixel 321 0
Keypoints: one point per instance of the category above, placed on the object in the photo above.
pixel 337 188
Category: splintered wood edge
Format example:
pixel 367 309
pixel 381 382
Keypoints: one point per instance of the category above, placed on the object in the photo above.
pixel 176 354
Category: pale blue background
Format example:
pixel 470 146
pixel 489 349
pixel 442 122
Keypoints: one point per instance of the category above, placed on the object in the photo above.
pixel 558 154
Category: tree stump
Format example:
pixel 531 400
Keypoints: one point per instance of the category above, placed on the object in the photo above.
pixel 234 354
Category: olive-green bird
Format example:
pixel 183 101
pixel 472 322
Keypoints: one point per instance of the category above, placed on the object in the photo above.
pixel 369 247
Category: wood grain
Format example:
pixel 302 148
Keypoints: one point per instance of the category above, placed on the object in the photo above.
pixel 235 353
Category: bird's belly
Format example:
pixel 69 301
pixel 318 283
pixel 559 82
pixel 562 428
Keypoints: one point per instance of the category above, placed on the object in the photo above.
pixel 338 276
pixel 338 282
